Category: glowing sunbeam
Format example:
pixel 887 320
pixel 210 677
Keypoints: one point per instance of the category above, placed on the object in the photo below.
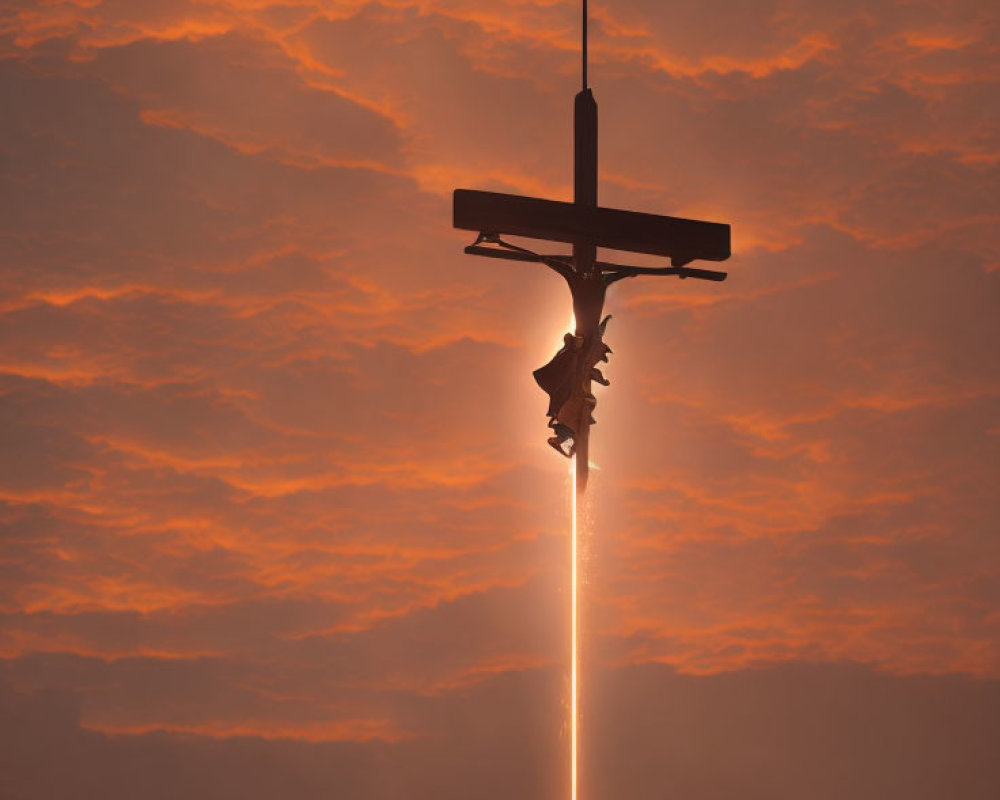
pixel 573 634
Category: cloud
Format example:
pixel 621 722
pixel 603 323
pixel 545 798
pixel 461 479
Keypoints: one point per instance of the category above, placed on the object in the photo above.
pixel 774 733
pixel 275 496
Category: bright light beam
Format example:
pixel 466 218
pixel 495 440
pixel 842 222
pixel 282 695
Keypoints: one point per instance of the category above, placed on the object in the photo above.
pixel 573 635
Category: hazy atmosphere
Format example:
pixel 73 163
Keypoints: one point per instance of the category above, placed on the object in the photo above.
pixel 278 516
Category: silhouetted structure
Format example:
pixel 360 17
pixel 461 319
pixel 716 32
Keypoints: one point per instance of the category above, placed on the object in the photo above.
pixel 586 226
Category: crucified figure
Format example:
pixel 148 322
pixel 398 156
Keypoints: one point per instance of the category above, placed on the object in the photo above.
pixel 567 378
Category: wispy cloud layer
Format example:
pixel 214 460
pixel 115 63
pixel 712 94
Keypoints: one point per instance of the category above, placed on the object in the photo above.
pixel 273 462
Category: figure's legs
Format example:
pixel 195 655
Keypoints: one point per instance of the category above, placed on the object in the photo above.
pixel 563 434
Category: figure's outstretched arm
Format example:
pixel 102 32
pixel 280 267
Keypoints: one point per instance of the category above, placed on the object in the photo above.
pixel 617 275
pixel 513 252
pixel 613 273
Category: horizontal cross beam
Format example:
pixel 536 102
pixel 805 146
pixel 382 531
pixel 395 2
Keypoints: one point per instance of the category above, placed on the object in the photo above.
pixel 681 240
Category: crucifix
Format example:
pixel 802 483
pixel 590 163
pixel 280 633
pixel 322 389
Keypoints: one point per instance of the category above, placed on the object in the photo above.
pixel 586 226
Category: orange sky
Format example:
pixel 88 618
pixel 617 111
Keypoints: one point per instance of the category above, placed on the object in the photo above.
pixel 277 505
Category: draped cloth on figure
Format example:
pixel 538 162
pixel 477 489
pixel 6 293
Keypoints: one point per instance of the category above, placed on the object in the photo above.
pixel 566 379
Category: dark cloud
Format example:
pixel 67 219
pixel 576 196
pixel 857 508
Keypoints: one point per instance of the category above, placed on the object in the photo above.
pixel 823 732
pixel 777 733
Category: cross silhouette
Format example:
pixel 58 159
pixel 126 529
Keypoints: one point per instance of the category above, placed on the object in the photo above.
pixel 586 226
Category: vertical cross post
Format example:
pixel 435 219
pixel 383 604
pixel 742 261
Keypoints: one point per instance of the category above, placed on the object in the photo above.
pixel 589 302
